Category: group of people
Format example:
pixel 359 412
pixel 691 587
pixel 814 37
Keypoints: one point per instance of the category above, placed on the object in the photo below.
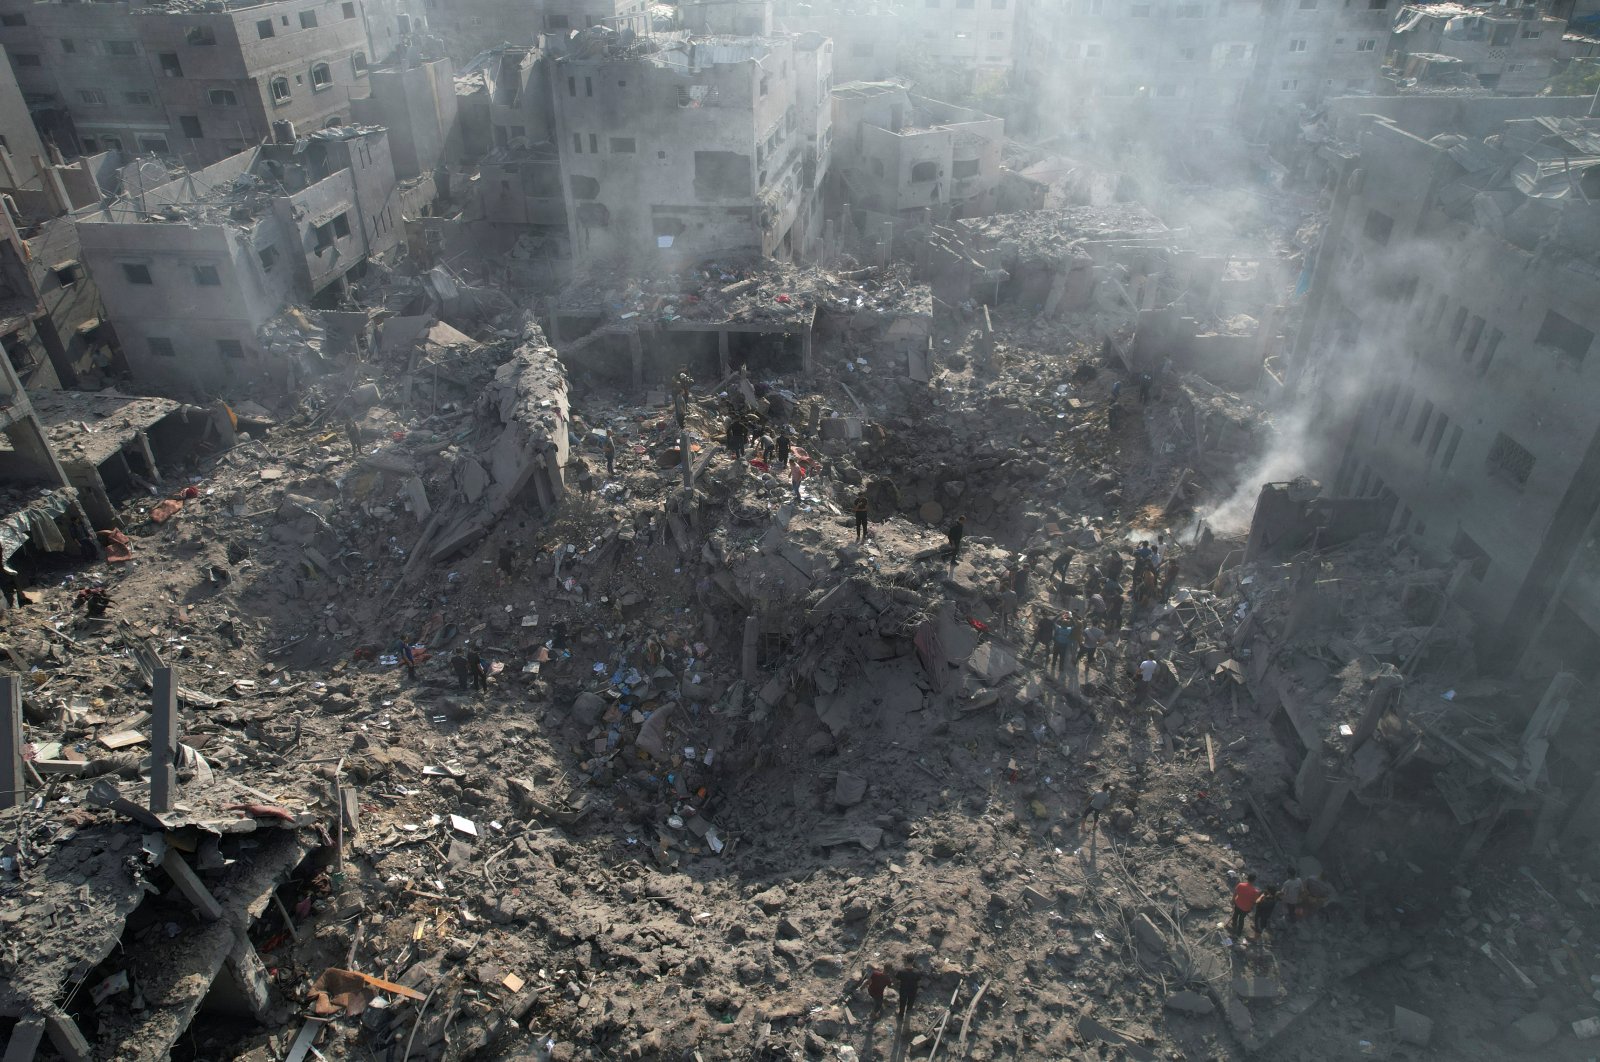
pixel 1302 895
pixel 906 979
pixel 468 664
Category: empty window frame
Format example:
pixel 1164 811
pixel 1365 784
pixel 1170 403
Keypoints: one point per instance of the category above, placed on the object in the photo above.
pixel 1511 460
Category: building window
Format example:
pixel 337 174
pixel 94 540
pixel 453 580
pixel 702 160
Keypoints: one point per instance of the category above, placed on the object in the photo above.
pixel 69 46
pixel 961 169
pixel 120 48
pixel 1377 5
pixel 230 348
pixel 766 83
pixel 1495 336
pixel 153 145
pixel 1367 44
pixel 577 143
pixel 358 64
pixel 136 274
pixel 1298 44
pixel 206 276
pixel 137 99
pixel 308 20
pixel 321 77
pixel 1450 450
pixel 161 348
pixel 1474 333
pixel 924 171
pixel 594 143
pixel 67 273
pixel 223 98
pixel 190 125
pixel 13 20
pixel 349 11
pixel 588 86
pixel 1510 459
pixel 557 22
pixel 332 231
pixel 1466 549
pixel 623 145
pixel 170 66
pixel 1531 33
pixel 199 36
pixel 1186 54
pixel 1289 84
pixel 1093 51
pixel 280 89
pixel 26 59
pixel 1378 227
pixel 1438 433
pixel 268 257
pixel 1308 5
pixel 1564 337
pixel 93 97
pixel 1422 424
pixel 264 29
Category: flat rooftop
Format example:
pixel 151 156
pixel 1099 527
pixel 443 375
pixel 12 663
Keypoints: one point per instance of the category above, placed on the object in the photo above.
pixel 93 427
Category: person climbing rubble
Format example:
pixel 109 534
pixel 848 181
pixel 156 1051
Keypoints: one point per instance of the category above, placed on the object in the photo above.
pixel 462 669
pixel 797 476
pixel 783 446
pixel 1097 803
pixel 861 508
pixel 737 435
pixel 480 672
pixel 908 980
pixel 1062 564
pixel 402 649
pixel 1044 630
pixel 1147 679
pixel 876 981
pixel 1169 578
pixel 610 450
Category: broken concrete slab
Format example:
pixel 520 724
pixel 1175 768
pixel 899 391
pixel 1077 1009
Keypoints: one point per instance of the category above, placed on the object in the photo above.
pixel 992 663
pixel 1187 1002
pixel 1255 988
pixel 1411 1027
pixel 849 789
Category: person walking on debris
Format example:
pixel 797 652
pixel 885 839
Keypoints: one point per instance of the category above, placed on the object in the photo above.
pixel 1114 565
pixel 797 476
pixel 1145 590
pixel 861 517
pixel 407 657
pixel 462 669
pixel 877 980
pixel 610 449
pixel 1044 633
pixel 1147 678
pixel 1245 895
pixel 1063 641
pixel 1265 904
pixel 1097 803
pixel 1062 564
pixel 1145 383
pixel 480 672
pixel 1114 604
pixel 908 980
pixel 783 449
pixel 767 446
pixel 353 433
pixel 737 435
pixel 1093 639
pixel 955 534
pixel 1008 608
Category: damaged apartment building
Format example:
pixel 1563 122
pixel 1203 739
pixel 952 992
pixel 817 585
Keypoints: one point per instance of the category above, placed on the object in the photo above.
pixel 1450 337
pixel 1510 49
pixel 190 270
pixel 675 147
pixel 200 82
pixel 948 46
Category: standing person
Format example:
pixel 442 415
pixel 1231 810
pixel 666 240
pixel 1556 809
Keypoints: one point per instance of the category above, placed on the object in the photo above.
pixel 1116 390
pixel 1169 578
pixel 783 449
pixel 737 436
pixel 1265 904
pixel 861 517
pixel 480 670
pixel 877 980
pixel 1062 564
pixel 767 446
pixel 611 457
pixel 1113 416
pixel 1114 565
pixel 1044 633
pixel 1147 677
pixel 1292 892
pixel 407 657
pixel 462 669
pixel 955 534
pixel 11 588
pixel 1245 895
pixel 353 433
pixel 1008 608
pixel 1113 611
pixel 797 475
pixel 1064 640
pixel 1097 804
pixel 1145 382
pixel 1093 639
pixel 1145 590
pixel 909 980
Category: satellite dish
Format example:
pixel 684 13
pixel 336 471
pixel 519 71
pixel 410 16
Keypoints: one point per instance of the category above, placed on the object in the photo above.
pixel 152 172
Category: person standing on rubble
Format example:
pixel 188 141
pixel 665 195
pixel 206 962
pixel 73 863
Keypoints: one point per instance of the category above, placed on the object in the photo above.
pixel 1245 895
pixel 1063 642
pixel 1145 383
pixel 958 530
pixel 861 517
pixel 797 476
pixel 1097 803
pixel 1063 564
pixel 353 433
pixel 1169 578
pixel 480 672
pixel 737 435
pixel 1113 416
pixel 1265 905
pixel 908 980
pixel 876 981
pixel 1093 638
pixel 407 657
pixel 1292 892
pixel 1044 633
pixel 610 450
pixel 1147 678
pixel 783 449
pixel 462 669
pixel 1113 596
pixel 766 445
pixel 11 588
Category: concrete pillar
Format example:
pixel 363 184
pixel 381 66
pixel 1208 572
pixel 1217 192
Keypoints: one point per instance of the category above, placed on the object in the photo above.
pixel 26 1036
pixel 805 352
pixel 148 454
pixel 163 739
pixel 636 349
pixel 1328 817
pixel 54 190
pixel 752 634
pixel 67 1038
pixel 248 988
pixel 724 359
pixel 11 777
pixel 1385 689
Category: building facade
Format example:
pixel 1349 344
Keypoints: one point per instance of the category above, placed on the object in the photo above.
pixel 1511 50
pixel 190 81
pixel 1449 354
pixel 902 154
pixel 677 148
pixel 189 271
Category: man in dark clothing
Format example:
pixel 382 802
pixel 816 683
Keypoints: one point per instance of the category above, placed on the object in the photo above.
pixel 462 669
pixel 957 530
pixel 1113 612
pixel 1145 382
pixel 737 436
pixel 1169 577
pixel 783 449
pixel 611 456
pixel 407 657
pixel 909 979
pixel 1265 903
pixel 1044 633
pixel 1063 563
pixel 1113 566
pixel 1113 417
pixel 480 673
pixel 861 517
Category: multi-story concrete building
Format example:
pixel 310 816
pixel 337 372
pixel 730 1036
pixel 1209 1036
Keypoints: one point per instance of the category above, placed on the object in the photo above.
pixel 200 82
pixel 19 138
pixel 469 27
pixel 942 44
pixel 1091 66
pixel 190 270
pixel 1449 355
pixel 415 99
pixel 1511 50
pixel 677 148
pixel 901 154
